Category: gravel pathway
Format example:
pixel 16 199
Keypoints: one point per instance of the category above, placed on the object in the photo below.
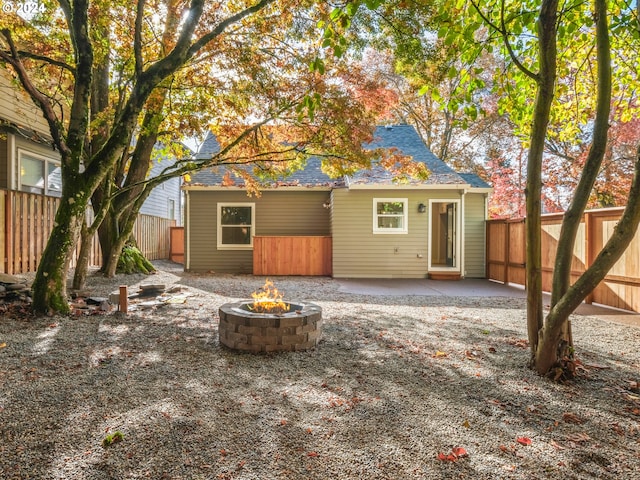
pixel 400 387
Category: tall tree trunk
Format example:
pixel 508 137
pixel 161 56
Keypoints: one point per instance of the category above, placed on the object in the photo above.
pixel 119 226
pixel 550 349
pixel 557 349
pixel 111 266
pixel 108 234
pixel 533 192
pixel 50 284
pixel 82 261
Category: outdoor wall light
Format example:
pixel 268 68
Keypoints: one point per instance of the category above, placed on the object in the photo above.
pixel 422 208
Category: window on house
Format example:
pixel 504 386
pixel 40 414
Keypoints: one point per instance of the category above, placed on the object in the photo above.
pixel 39 174
pixel 171 209
pixel 236 223
pixel 390 215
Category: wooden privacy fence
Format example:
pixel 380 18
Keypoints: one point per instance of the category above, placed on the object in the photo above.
pixel 27 220
pixel 506 255
pixel 292 256
pixel 176 244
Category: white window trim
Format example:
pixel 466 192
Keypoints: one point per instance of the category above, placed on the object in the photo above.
pixel 459 236
pixel 46 160
pixel 405 219
pixel 222 246
pixel 171 213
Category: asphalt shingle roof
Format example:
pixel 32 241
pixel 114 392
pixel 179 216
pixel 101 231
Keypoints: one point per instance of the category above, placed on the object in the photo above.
pixel 404 138
pixel 474 180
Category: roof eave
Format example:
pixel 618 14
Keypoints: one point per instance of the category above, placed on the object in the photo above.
pixel 293 188
pixel 423 186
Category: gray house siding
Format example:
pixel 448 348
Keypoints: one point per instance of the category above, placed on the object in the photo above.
pixel 277 213
pixel 4 162
pixel 474 228
pixel 158 202
pixel 360 253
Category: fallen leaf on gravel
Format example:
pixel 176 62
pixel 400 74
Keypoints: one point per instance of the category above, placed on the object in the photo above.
pixel 596 366
pixel 618 429
pixel 569 417
pixel 466 424
pixel 456 453
pixel 578 437
pixel 524 441
pixel 2 345
pixel 439 354
pixel 312 454
pixel 492 350
pixel 459 452
pixel 522 343
pixel 447 458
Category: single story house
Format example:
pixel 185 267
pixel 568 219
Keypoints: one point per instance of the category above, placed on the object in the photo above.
pixel 361 226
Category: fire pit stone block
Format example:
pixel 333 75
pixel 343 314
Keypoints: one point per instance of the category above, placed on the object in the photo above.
pixel 296 330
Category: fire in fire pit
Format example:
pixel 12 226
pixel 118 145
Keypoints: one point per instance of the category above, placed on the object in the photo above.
pixel 268 300
pixel 269 324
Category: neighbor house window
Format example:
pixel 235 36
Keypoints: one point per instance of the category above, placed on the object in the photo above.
pixel 39 174
pixel 236 223
pixel 171 209
pixel 390 215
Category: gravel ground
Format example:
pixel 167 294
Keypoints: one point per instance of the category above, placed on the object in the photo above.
pixel 394 383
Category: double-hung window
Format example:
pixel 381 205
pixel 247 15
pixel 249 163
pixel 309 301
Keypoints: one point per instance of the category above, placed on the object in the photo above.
pixel 390 215
pixel 39 174
pixel 236 224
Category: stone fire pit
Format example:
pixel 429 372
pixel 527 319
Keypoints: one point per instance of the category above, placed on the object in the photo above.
pixel 294 330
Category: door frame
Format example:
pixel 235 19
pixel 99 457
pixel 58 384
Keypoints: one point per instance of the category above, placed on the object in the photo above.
pixel 458 261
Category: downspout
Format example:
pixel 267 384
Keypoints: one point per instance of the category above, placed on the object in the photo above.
pixel 12 162
pixel 187 230
pixel 463 273
pixel 484 233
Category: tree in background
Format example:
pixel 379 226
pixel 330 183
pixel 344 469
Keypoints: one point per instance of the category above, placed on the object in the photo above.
pixel 566 159
pixel 506 176
pixel 112 77
pixel 451 103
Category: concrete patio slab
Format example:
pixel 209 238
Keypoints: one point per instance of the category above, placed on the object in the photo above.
pixel 469 288
pixel 425 287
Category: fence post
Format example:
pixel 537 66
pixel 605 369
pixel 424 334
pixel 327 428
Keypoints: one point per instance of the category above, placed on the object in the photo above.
pixel 507 251
pixel 524 242
pixel 123 299
pixel 9 222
